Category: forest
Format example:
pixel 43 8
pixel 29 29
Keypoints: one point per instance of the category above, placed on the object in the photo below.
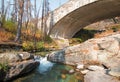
pixel 19 23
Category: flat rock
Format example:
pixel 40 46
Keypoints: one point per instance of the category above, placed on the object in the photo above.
pixel 25 55
pixel 115 71
pixel 95 67
pixel 99 76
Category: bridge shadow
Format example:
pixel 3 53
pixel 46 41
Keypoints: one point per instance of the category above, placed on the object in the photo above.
pixel 85 34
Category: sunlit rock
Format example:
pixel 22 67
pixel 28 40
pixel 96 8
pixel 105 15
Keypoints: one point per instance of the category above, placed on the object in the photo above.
pixel 99 76
pixel 16 64
pixel 95 67
pixel 84 71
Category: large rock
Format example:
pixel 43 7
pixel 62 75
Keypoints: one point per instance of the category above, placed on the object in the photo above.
pixel 15 57
pixel 99 76
pixel 105 50
pixel 17 64
pixel 115 71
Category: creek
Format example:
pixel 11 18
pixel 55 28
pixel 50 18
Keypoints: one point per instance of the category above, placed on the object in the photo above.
pixel 50 72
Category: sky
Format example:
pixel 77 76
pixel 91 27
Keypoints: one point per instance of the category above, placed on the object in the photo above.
pixel 56 3
pixel 53 4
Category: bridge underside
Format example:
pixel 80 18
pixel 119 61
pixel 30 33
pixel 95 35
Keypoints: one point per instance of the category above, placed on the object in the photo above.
pixel 83 16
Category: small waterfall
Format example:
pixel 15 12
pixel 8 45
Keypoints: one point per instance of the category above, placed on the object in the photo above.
pixel 44 66
pixel 47 73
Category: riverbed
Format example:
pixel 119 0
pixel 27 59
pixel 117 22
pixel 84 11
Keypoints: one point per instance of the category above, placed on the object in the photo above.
pixel 51 72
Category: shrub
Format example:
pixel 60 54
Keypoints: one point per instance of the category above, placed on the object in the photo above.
pixel 40 46
pixel 48 39
pixel 27 45
pixel 75 40
pixel 10 26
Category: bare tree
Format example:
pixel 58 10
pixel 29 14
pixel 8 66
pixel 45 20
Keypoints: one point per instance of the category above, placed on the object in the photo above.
pixel 2 13
pixel 2 4
pixel 36 19
pixel 20 16
pixel 35 26
pixel 27 12
pixel 45 11
pixel 14 11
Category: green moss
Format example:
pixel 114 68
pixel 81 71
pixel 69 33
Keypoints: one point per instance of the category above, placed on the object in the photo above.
pixel 42 53
pixel 4 66
pixel 115 28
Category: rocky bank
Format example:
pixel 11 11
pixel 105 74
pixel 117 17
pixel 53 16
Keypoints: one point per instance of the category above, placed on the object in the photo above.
pixel 16 64
pixel 104 51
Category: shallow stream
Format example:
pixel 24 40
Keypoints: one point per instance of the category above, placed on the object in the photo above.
pixel 50 72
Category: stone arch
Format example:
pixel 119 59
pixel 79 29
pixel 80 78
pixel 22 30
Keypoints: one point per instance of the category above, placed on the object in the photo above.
pixel 83 16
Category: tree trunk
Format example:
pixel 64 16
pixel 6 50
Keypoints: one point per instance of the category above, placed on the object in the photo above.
pixel 2 14
pixel 2 7
pixel 45 11
pixel 20 15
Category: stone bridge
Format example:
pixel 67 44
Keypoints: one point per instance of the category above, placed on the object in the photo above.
pixel 68 19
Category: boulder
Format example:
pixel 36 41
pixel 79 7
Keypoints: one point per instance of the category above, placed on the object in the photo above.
pixel 115 71
pixel 25 55
pixel 105 51
pixel 17 64
pixel 57 56
pixel 114 66
pixel 99 76
pixel 15 57
pixel 102 50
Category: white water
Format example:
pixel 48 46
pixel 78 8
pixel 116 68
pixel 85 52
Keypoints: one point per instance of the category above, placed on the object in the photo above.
pixel 45 65
pixel 44 73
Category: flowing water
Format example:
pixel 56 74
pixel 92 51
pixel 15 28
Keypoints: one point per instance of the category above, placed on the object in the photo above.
pixel 50 72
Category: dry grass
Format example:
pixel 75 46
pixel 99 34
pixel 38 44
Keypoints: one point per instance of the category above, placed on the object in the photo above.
pixel 91 62
pixel 29 35
pixel 6 36
pixel 106 33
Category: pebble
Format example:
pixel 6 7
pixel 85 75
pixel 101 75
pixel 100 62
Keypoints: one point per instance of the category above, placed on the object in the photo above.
pixel 71 71
pixel 63 76
pixel 80 66
pixel 77 70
